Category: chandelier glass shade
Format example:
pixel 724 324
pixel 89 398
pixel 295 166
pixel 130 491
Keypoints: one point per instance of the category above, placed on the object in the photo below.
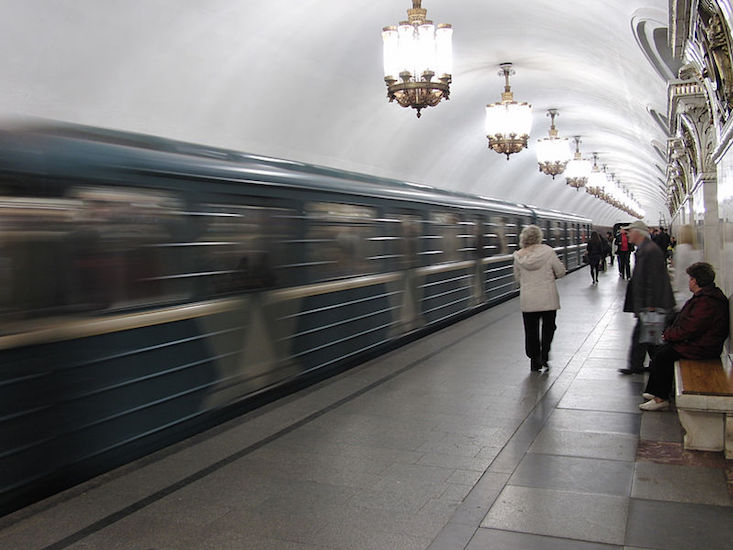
pixel 553 152
pixel 508 122
pixel 578 169
pixel 418 60
pixel 596 179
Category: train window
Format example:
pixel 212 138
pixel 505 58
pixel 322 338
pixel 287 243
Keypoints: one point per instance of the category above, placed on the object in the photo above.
pixel 443 237
pixel 511 232
pixel 498 236
pixel 341 240
pixel 240 247
pixel 400 237
pixel 94 249
pixel 471 238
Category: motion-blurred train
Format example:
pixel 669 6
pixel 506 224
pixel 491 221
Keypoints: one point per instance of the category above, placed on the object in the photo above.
pixel 149 288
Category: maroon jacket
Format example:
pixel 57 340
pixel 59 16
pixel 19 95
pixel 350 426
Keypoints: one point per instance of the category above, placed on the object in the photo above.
pixel 701 327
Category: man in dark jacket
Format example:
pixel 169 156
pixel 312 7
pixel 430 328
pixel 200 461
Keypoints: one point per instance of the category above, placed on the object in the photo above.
pixel 698 332
pixel 648 290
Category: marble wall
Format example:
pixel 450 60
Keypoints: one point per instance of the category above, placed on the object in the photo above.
pixel 725 226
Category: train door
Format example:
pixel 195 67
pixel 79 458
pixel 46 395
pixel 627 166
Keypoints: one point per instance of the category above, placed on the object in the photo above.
pixel 477 253
pixel 405 232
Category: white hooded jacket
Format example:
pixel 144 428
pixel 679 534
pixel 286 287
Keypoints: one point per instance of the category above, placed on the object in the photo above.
pixel 535 268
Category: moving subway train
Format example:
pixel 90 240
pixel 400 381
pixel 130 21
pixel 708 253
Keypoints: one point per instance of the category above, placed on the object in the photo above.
pixel 150 287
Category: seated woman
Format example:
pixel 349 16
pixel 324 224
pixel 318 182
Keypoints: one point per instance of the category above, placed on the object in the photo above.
pixel 698 332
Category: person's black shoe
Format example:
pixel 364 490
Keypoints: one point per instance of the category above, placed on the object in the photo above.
pixel 631 371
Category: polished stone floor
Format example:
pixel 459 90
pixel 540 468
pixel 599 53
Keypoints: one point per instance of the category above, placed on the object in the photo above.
pixel 448 443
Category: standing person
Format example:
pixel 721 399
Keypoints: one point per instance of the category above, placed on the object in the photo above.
pixel 685 254
pixel 596 251
pixel 698 332
pixel 536 266
pixel 662 239
pixel 611 246
pixel 624 248
pixel 648 290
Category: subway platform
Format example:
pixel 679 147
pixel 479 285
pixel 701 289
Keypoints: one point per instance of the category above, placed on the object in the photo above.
pixel 448 443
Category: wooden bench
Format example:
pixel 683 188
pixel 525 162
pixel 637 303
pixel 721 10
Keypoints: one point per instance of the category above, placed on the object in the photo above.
pixel 704 399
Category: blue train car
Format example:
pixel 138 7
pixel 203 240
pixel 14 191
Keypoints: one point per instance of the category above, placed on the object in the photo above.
pixel 151 288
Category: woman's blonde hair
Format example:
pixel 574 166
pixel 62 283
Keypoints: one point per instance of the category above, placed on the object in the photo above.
pixel 686 235
pixel 530 235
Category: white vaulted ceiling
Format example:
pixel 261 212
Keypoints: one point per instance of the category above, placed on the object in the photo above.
pixel 303 80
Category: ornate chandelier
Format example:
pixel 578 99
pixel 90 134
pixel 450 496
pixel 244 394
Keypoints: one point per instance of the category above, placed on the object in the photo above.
pixel 416 51
pixel 596 180
pixel 553 152
pixel 507 122
pixel 578 169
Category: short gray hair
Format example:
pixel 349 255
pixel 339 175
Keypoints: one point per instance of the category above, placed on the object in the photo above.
pixel 530 235
pixel 644 234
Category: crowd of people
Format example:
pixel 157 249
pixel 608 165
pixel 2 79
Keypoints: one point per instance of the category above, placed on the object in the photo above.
pixel 662 332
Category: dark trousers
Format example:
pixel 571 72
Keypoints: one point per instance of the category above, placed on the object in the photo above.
pixel 536 348
pixel 638 350
pixel 624 264
pixel 595 266
pixel 661 376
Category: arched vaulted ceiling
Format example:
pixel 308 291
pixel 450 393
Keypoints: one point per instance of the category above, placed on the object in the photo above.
pixel 303 80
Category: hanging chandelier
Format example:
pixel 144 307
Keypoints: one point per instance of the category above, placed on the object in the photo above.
pixel 553 152
pixel 415 51
pixel 596 179
pixel 507 122
pixel 578 169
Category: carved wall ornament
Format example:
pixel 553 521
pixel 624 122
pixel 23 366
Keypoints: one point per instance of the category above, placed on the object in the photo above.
pixel 715 40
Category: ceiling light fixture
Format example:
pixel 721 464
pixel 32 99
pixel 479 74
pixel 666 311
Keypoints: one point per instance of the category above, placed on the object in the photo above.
pixel 507 122
pixel 416 51
pixel 596 180
pixel 578 169
pixel 553 152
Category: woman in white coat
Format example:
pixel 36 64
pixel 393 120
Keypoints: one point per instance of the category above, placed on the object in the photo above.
pixel 536 266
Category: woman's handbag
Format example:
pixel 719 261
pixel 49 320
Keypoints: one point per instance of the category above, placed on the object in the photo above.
pixel 585 258
pixel 652 327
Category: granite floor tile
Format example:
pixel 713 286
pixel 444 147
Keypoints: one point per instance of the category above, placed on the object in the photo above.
pixel 562 514
pixel 136 532
pixel 507 540
pixel 585 475
pixel 454 536
pixel 609 403
pixel 599 373
pixel 679 526
pixel 340 537
pixel 606 362
pixel 585 444
pixel 456 461
pixel 678 483
pixel 477 502
pixel 412 500
pixel 465 477
pixel 595 421
pixel 665 452
pixel 621 388
pixel 661 426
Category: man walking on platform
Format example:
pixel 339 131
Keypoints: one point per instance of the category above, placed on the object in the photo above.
pixel 624 248
pixel 649 290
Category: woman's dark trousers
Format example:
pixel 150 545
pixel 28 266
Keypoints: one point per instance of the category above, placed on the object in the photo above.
pixel 536 348
pixel 624 264
pixel 661 377
pixel 595 267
